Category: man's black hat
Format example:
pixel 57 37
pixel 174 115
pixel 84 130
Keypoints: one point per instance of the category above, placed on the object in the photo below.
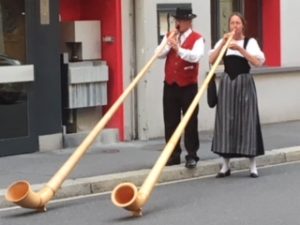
pixel 184 14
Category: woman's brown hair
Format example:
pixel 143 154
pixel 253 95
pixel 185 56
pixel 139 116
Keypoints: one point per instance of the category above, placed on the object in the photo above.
pixel 238 14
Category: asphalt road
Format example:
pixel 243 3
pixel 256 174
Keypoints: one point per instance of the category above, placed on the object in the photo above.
pixel 271 199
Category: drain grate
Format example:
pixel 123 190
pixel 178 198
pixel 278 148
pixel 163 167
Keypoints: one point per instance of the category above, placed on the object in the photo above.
pixel 110 151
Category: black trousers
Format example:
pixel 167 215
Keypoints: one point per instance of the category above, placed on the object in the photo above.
pixel 176 101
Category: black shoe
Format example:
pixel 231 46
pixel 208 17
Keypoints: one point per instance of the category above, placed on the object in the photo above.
pixel 254 175
pixel 191 163
pixel 173 161
pixel 226 174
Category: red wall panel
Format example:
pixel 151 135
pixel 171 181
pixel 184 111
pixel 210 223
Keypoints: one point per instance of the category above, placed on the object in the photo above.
pixel 70 10
pixel 109 13
pixel 271 32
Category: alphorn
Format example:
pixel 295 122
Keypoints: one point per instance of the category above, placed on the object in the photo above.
pixel 126 195
pixel 21 193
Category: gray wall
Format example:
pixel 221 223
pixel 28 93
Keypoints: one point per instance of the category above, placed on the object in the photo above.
pixel 43 52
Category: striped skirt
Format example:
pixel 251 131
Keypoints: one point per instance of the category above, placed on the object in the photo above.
pixel 237 130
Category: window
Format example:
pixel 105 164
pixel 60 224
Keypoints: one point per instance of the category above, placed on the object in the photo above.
pixel 165 21
pixel 13 99
pixel 12 29
pixel 221 10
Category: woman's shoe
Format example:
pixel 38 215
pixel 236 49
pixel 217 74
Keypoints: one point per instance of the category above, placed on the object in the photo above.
pixel 254 175
pixel 226 174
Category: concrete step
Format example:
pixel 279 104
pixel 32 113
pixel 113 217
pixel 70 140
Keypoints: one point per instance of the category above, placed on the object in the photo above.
pixel 107 136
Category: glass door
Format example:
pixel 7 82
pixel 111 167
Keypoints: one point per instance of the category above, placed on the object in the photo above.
pixel 16 134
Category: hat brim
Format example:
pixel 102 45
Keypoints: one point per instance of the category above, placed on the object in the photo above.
pixel 185 17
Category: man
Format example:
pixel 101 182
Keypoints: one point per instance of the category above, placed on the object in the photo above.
pixel 182 52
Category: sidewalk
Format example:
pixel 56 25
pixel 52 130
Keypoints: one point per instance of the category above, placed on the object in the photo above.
pixel 105 166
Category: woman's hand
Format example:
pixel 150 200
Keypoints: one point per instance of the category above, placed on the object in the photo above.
pixel 226 36
pixel 234 46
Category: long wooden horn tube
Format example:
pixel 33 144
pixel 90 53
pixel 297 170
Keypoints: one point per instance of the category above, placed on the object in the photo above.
pixel 22 194
pixel 126 195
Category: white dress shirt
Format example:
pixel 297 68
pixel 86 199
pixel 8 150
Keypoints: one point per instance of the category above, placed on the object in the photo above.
pixel 191 55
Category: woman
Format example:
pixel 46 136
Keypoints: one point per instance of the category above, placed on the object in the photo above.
pixel 237 127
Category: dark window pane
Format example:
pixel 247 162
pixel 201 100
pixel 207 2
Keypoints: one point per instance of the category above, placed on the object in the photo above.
pixel 165 21
pixel 12 29
pixel 221 9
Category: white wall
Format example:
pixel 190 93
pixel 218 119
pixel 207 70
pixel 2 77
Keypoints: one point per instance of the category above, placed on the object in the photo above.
pixel 290 33
pixel 277 91
pixel 150 115
pixel 278 96
pixel 129 66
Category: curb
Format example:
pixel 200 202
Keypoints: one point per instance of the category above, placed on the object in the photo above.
pixel 105 183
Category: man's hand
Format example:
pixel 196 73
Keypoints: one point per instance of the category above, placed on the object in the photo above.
pixel 173 41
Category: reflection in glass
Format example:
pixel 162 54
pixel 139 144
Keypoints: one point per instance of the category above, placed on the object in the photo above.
pixel 10 92
pixel 12 29
pixel 226 8
pixel 165 20
pixel 13 96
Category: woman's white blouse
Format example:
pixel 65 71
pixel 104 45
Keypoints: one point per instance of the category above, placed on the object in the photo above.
pixel 252 48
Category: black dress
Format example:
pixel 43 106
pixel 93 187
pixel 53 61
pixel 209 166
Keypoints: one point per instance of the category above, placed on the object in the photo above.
pixel 237 130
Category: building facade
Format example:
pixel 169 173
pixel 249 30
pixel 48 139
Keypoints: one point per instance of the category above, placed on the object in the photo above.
pixel 268 21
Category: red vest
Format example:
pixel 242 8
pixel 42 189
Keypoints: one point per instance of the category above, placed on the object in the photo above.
pixel 178 70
